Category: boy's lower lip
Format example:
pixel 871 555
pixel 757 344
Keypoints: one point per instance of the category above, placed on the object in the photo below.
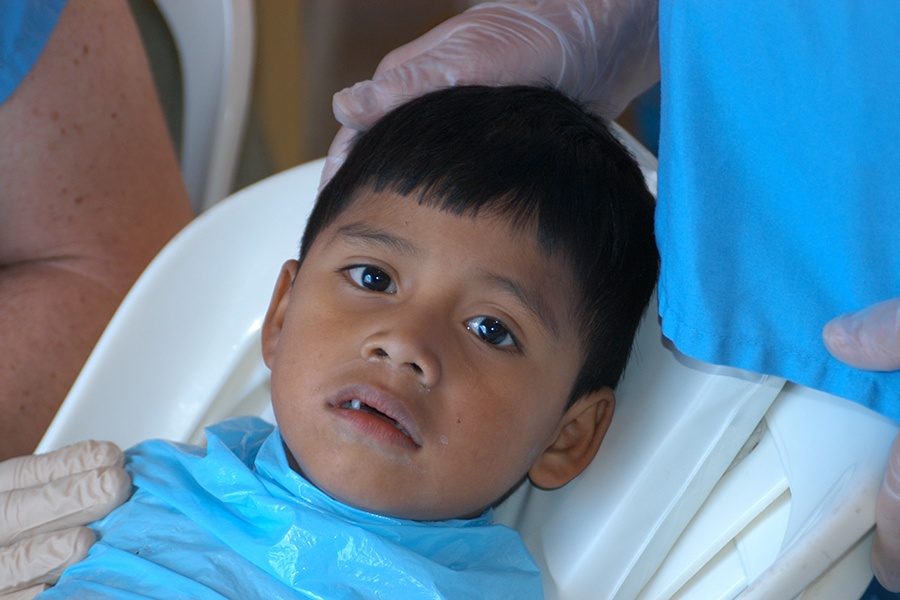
pixel 376 427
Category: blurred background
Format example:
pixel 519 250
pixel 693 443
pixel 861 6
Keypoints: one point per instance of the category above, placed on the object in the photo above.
pixel 306 50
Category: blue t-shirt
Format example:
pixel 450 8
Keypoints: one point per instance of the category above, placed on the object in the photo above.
pixel 25 26
pixel 235 521
pixel 779 195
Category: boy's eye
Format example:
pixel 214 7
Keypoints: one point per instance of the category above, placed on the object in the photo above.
pixel 492 331
pixel 371 278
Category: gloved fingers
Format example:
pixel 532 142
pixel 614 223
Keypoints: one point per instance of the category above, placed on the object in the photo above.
pixel 43 497
pixel 491 46
pixel 360 105
pixel 336 155
pixel 496 43
pixel 868 339
pixel 886 549
pixel 66 502
pixel 25 594
pixel 28 471
pixel 40 560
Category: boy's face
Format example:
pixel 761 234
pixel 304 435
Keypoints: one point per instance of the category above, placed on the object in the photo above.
pixel 421 361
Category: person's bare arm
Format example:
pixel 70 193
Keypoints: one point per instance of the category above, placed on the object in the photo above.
pixel 90 190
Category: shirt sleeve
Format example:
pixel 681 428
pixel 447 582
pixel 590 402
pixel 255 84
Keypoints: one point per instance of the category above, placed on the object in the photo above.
pixel 25 27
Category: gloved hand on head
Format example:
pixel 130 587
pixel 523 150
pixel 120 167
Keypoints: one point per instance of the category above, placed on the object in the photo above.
pixel 45 501
pixel 870 339
pixel 600 52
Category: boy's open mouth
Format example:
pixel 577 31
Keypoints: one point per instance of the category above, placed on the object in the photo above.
pixel 357 404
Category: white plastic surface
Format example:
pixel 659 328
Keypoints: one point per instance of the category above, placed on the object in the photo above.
pixel 215 42
pixel 834 452
pixel 809 484
pixel 678 426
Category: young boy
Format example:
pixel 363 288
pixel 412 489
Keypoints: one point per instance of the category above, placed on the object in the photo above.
pixel 465 300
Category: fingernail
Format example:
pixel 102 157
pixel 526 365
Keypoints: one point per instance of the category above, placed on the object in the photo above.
pixel 836 329
pixel 354 102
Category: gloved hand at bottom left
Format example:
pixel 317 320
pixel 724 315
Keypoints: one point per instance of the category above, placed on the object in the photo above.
pixel 45 501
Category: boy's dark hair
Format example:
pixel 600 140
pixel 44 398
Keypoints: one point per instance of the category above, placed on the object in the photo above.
pixel 532 156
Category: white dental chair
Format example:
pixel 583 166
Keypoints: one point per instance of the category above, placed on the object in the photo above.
pixel 711 482
pixel 215 44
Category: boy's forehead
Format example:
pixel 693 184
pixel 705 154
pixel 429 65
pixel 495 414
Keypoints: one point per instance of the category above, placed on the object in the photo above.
pixel 388 207
pixel 391 219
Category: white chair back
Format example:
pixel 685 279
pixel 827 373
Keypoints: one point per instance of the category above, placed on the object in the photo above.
pixel 215 43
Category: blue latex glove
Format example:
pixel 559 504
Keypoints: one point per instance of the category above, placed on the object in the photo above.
pixel 870 339
pixel 601 52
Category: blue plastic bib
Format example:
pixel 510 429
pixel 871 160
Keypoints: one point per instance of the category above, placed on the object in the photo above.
pixel 237 522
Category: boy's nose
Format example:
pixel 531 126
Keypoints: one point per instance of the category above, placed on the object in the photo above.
pixel 404 350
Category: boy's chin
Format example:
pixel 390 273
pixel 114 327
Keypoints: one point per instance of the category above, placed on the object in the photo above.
pixel 407 513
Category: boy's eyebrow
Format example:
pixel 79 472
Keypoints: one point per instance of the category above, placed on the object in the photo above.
pixel 533 303
pixel 362 231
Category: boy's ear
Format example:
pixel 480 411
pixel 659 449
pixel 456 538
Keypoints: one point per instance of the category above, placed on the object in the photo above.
pixel 577 440
pixel 274 322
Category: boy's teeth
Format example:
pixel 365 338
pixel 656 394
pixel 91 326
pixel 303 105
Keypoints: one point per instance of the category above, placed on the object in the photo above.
pixel 356 404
